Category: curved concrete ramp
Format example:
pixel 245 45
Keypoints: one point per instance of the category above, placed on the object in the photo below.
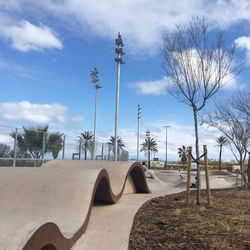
pixel 48 208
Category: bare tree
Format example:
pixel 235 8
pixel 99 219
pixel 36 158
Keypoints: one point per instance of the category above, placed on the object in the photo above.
pixel 198 64
pixel 241 102
pixel 228 120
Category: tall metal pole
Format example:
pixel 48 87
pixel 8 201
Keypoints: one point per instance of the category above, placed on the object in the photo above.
pixel 95 80
pixel 102 151
pixel 148 144
pixel 166 156
pixel 138 130
pixel 117 107
pixel 63 149
pixel 15 149
pixel 119 61
pixel 80 148
pixel 94 140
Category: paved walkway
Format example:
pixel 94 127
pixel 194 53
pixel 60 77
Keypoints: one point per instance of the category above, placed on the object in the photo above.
pixel 109 226
pixel 54 203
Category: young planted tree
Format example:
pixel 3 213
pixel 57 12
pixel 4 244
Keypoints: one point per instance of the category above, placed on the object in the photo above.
pixel 221 141
pixel 149 145
pixel 86 140
pixel 197 64
pixel 241 102
pixel 183 153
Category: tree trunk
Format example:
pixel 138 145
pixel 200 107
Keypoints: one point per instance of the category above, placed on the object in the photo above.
pixel 220 157
pixel 85 153
pixel 248 172
pixel 148 159
pixel 243 178
pixel 195 112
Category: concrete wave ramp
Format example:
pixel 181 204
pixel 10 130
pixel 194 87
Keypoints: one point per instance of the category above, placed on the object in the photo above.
pixel 48 208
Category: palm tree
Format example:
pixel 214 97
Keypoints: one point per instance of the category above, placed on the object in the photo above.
pixel 34 141
pixel 86 140
pixel 22 150
pixel 120 145
pixel 4 150
pixel 183 153
pixel 221 141
pixel 149 145
pixel 55 143
pixel 34 138
pixel 31 140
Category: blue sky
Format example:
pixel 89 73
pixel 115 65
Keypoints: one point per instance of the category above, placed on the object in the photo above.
pixel 48 49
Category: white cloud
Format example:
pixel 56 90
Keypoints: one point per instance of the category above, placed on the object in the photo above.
pixel 192 61
pixel 161 86
pixel 25 36
pixel 156 87
pixel 10 4
pixel 140 21
pixel 243 42
pixel 232 83
pixel 25 111
pixel 5 139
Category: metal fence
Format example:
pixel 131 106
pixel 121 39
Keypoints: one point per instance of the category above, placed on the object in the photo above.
pixel 14 151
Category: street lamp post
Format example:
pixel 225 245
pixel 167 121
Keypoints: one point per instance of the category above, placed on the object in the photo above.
pixel 63 149
pixel 96 82
pixel 148 142
pixel 138 129
pixel 119 53
pixel 166 157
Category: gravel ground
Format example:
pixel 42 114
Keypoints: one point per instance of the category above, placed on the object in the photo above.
pixel 169 223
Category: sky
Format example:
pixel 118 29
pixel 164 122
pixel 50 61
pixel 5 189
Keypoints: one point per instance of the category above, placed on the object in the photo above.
pixel 49 47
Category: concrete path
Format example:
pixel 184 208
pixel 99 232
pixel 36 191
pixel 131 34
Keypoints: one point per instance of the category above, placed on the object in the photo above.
pixel 52 204
pixel 109 226
pixel 51 207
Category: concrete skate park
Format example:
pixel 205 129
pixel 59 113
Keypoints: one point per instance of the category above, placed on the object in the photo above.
pixel 80 204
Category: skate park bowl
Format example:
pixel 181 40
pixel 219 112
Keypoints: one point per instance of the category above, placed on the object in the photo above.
pixel 49 207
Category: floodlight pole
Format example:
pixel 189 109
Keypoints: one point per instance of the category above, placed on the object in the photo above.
pixel 138 130
pixel 119 61
pixel 95 81
pixel 166 156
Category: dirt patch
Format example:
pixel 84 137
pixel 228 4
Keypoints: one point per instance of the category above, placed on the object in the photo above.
pixel 169 223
